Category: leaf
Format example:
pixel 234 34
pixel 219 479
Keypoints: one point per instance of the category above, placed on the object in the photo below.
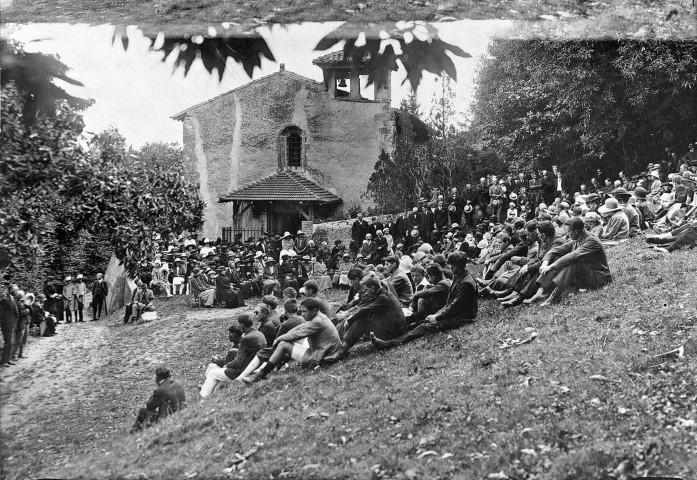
pixel 427 453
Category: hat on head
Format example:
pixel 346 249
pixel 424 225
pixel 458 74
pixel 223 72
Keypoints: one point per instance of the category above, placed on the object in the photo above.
pixel 196 271
pixel 593 197
pixel 359 256
pixel 270 260
pixel 621 193
pixel 655 174
pixel 513 196
pixel 300 232
pixel 418 256
pixel 468 208
pixel 610 206
pixel 178 260
pixel 276 237
pixel 346 255
pixel 162 372
pixel 79 276
pixel 454 226
pixel 29 299
pixel 286 235
pixel 512 204
pixel 337 242
pixel 41 297
pixel 577 211
pixel 591 217
pixel 157 264
pixel 68 278
pixel 306 258
pixel 564 205
pixel 259 254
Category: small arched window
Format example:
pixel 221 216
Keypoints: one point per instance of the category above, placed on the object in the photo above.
pixel 291 148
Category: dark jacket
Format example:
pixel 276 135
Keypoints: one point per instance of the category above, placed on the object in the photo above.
pixel 251 343
pixel 436 295
pixel 8 313
pixel 268 330
pixel 587 252
pixel 100 289
pixel 381 315
pixel 462 301
pixel 169 397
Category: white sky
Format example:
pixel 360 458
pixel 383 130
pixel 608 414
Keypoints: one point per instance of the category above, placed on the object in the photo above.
pixel 137 93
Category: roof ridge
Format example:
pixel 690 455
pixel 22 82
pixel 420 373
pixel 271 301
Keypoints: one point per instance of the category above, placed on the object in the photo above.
pixel 307 189
pixel 180 115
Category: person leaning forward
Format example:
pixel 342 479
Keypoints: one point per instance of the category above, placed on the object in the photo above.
pixel 460 308
pixel 168 398
pixel 581 262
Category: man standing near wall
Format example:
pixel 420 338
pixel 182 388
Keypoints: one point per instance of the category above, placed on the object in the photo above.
pixel 8 324
pixel 100 290
pixel 359 229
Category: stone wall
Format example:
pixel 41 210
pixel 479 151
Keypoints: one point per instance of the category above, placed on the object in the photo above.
pixel 232 140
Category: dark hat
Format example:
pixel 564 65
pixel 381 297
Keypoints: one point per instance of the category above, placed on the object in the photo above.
pixel 621 192
pixel 640 193
pixel 277 237
pixel 337 242
pixel 593 197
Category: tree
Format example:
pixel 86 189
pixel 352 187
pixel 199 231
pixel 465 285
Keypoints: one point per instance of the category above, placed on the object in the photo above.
pixel 399 180
pixel 585 105
pixel 54 185
pixel 420 50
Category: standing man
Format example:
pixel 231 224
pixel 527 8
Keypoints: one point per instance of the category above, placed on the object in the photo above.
pixel 359 229
pixel 79 290
pixel 68 290
pixel 100 290
pixel 168 398
pixel 8 324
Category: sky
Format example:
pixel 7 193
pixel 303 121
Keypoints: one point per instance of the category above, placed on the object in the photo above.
pixel 137 93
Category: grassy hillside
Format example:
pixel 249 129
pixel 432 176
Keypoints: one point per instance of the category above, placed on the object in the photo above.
pixel 588 398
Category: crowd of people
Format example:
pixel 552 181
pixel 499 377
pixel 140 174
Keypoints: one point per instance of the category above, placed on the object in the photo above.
pixel 24 313
pixel 405 276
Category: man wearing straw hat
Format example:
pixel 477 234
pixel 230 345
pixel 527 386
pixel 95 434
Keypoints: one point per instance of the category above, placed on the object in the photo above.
pixel 78 302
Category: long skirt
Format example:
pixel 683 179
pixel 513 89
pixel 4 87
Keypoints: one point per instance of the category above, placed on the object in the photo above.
pixel 324 281
pixel 207 296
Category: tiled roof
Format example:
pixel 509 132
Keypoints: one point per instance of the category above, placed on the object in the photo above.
pixel 336 58
pixel 282 186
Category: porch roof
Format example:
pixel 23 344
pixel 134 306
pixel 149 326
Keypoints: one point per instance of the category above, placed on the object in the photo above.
pixel 286 186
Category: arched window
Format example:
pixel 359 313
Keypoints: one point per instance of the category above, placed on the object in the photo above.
pixel 294 145
pixel 291 148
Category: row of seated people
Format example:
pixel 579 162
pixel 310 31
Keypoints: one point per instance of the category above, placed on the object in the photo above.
pixel 308 333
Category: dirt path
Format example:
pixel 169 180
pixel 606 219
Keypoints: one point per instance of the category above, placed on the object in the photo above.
pixel 84 385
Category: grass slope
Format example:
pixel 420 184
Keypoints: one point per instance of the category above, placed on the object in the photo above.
pixel 453 405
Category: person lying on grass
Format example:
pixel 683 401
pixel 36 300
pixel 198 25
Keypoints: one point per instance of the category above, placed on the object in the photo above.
pixel 580 262
pixel 252 341
pixel 169 397
pixel 322 336
pixel 378 311
pixel 289 320
pixel 684 236
pixel 460 308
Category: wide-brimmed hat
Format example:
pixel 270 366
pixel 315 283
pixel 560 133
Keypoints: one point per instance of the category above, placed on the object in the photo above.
pixel 468 208
pixel 196 271
pixel 178 260
pixel 655 174
pixel 270 260
pixel 511 204
pixel 359 256
pixel 79 276
pixel 259 254
pixel 41 297
pixel 306 258
pixel 591 217
pixel 610 206
pixel 68 278
pixel 346 255
pixel 286 235
pixel 29 299
pixel 454 226
pixel 513 196
pixel 300 232
pixel 620 192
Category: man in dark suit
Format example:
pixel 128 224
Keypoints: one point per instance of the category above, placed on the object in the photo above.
pixel 378 310
pixel 100 290
pixel 252 341
pixel 8 323
pixel 460 308
pixel 359 229
pixel 581 262
pixel 169 397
